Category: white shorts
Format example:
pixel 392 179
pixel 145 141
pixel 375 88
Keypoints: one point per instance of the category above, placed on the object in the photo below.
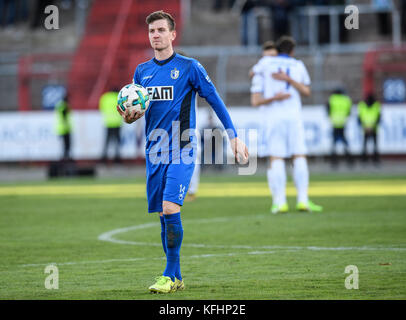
pixel 283 137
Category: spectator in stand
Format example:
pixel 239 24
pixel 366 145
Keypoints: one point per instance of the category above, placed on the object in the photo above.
pixel 8 12
pixel 403 16
pixel 22 11
pixel 324 23
pixel 384 23
pixel 39 15
pixel 249 24
pixel 219 4
pixel 280 17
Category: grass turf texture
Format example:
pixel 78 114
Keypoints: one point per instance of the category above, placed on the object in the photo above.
pixel 233 248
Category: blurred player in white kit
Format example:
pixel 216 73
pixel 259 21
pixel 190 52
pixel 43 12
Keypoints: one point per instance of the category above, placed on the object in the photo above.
pixel 277 84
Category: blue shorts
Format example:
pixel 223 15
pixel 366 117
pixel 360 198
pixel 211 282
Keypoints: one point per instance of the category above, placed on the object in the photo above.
pixel 167 180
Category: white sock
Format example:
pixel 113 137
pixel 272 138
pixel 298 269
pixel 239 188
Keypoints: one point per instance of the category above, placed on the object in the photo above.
pixel 277 181
pixel 301 178
pixel 194 181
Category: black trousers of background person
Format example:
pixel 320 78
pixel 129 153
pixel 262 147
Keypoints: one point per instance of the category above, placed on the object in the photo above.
pixel 370 136
pixel 338 135
pixel 66 142
pixel 112 136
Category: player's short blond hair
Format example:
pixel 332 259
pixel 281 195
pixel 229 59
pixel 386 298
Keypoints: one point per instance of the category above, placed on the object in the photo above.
pixel 268 45
pixel 159 15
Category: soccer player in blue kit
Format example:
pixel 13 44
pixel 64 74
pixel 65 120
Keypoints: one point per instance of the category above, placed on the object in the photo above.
pixel 172 81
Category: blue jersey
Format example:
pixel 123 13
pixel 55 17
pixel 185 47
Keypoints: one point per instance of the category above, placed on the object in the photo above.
pixel 172 85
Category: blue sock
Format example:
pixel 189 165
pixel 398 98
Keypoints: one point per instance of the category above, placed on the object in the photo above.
pixel 163 234
pixel 177 271
pixel 174 236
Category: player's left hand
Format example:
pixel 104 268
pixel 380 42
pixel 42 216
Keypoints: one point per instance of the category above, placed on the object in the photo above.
pixel 240 150
pixel 280 76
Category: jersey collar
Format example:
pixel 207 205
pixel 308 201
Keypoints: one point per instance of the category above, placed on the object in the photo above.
pixel 283 55
pixel 162 62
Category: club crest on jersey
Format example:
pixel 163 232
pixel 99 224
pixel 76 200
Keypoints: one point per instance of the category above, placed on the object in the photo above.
pixel 175 74
pixel 160 93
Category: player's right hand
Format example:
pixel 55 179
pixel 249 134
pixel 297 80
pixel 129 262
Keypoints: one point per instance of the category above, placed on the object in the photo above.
pixel 281 96
pixel 130 116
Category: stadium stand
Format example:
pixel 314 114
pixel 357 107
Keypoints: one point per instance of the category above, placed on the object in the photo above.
pixel 106 54
pixel 44 55
pixel 380 64
pixel 112 45
pixel 99 45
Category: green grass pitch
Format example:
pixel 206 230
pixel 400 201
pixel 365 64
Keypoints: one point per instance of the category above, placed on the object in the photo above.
pixel 106 246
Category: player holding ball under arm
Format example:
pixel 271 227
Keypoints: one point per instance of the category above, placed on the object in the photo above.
pixel 172 81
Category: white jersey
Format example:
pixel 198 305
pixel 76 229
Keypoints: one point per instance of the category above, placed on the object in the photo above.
pixel 281 132
pixel 262 82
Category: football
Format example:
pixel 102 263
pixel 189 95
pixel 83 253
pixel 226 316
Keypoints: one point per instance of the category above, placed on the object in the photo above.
pixel 133 96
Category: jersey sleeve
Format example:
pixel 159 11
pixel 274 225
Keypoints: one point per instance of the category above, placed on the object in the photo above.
pixel 305 78
pixel 257 82
pixel 201 82
pixel 136 78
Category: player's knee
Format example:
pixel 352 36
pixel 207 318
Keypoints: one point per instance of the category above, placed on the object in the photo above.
pixel 296 156
pixel 272 160
pixel 170 207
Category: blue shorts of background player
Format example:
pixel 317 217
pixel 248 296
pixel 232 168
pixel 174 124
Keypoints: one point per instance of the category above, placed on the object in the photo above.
pixel 168 178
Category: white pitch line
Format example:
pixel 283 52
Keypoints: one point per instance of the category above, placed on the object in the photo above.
pixel 197 256
pixel 109 237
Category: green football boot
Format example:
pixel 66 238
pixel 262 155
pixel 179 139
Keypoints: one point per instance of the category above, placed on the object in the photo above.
pixel 309 207
pixel 163 285
pixel 179 284
pixel 282 208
